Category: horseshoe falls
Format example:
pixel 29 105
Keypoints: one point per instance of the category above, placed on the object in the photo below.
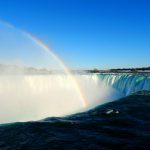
pixel 118 108
pixel 34 97
pixel 125 83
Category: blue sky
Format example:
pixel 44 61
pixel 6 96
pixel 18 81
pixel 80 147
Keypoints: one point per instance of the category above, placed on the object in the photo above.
pixel 87 34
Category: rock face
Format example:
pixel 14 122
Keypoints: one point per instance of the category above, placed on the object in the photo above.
pixel 128 129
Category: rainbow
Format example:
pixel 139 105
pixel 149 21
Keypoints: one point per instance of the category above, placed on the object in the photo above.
pixel 57 58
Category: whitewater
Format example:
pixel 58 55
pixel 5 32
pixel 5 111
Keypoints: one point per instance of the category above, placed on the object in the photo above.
pixel 34 97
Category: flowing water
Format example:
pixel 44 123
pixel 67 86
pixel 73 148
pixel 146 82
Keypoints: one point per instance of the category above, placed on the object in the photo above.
pixel 34 97
pixel 121 124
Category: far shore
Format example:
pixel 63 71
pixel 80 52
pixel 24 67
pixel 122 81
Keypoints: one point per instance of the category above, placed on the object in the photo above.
pixel 13 69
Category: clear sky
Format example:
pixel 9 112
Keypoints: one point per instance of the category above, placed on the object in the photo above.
pixel 87 33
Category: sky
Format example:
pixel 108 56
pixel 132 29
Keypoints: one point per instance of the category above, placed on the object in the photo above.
pixel 86 34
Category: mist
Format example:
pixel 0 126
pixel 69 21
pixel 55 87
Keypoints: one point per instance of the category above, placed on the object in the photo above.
pixel 32 97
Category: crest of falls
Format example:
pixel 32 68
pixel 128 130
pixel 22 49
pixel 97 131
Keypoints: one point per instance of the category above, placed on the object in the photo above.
pixel 34 97
pixel 126 83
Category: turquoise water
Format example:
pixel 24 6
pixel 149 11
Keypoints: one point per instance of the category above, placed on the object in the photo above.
pixel 126 83
pixel 123 124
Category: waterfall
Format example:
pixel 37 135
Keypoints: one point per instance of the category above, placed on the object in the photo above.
pixel 34 97
pixel 125 83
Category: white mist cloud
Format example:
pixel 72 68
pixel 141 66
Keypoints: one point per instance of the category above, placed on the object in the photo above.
pixel 33 97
